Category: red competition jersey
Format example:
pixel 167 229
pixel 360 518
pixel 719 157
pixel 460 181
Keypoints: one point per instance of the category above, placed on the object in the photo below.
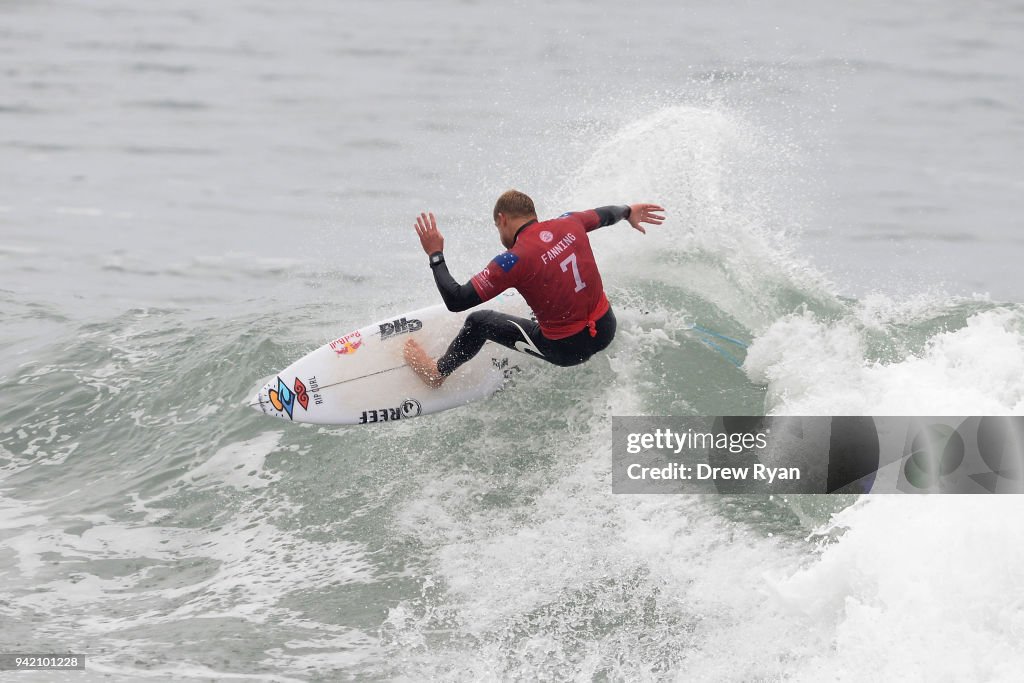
pixel 553 267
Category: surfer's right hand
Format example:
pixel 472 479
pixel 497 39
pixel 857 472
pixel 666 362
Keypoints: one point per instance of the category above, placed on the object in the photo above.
pixel 430 238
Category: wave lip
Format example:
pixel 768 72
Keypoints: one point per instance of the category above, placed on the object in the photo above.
pixel 814 366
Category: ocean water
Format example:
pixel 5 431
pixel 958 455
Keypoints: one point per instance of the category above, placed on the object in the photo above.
pixel 194 195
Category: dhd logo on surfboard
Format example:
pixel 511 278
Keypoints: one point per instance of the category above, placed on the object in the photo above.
pixel 400 326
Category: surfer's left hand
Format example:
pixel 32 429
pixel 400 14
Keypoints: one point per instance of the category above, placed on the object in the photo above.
pixel 430 238
pixel 645 213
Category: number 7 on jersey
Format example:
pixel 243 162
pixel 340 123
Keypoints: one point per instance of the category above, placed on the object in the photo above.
pixel 571 261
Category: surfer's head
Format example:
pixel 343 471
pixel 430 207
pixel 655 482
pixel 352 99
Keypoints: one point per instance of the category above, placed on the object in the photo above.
pixel 512 209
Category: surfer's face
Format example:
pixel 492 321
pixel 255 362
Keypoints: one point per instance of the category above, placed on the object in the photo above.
pixel 501 223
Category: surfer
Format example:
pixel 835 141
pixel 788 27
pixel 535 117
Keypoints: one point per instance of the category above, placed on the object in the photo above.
pixel 552 266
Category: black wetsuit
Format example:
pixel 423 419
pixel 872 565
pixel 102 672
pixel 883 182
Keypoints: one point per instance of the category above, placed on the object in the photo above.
pixel 523 334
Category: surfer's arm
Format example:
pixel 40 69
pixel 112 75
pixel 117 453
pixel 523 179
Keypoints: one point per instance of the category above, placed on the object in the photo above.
pixel 456 297
pixel 602 216
pixel 635 214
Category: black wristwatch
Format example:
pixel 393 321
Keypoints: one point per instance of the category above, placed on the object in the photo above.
pixel 436 259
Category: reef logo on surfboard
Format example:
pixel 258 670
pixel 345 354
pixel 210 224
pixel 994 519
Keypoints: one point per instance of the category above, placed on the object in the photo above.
pixel 284 398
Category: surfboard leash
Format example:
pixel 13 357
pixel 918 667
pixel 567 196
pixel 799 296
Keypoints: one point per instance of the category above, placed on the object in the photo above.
pixel 718 347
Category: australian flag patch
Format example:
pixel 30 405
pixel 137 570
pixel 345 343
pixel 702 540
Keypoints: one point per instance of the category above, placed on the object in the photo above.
pixel 506 260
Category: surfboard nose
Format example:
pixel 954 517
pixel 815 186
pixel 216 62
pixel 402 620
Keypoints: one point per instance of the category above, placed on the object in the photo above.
pixel 258 401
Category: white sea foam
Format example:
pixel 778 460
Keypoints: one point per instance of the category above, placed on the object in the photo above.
pixel 918 588
pixel 816 367
pixel 586 582
pixel 239 465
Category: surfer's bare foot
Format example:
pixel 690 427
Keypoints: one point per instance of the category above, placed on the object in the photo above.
pixel 422 364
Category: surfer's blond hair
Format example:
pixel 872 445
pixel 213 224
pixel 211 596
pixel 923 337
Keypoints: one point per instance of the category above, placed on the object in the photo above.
pixel 514 203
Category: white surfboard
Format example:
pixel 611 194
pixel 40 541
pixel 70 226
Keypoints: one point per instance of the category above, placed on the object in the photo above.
pixel 362 378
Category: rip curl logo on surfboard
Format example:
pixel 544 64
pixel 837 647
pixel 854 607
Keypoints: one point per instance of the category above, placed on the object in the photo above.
pixel 284 398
